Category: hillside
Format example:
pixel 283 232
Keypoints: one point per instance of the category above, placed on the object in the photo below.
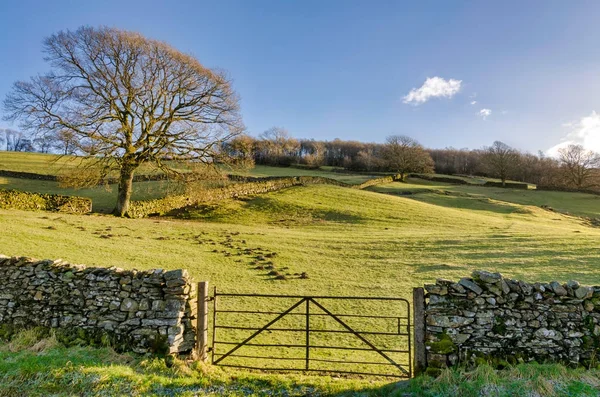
pixel 351 239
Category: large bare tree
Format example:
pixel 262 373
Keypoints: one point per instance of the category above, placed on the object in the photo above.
pixel 581 167
pixel 501 160
pixel 127 100
pixel 403 154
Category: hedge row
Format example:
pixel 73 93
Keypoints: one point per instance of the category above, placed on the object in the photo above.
pixel 14 199
pixel 508 185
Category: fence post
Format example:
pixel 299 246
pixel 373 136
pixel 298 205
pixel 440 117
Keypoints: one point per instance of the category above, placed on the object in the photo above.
pixel 202 325
pixel 419 324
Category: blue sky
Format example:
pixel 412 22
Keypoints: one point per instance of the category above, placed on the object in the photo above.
pixel 343 69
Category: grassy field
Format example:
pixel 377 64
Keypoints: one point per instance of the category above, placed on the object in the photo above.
pixel 351 241
pixel 37 163
pixel 347 241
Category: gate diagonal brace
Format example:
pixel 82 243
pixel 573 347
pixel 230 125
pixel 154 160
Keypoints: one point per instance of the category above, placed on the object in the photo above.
pixel 260 330
pixel 364 340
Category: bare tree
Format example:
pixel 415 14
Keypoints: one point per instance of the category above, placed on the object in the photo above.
pixel 579 166
pixel 403 155
pixel 65 142
pixel 43 144
pixel 127 100
pixel 16 141
pixel 501 160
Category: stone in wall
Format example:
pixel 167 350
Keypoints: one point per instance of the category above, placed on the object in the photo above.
pixel 507 321
pixel 140 311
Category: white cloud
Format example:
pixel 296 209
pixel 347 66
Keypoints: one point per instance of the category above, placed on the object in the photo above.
pixel 434 87
pixel 485 113
pixel 473 102
pixel 585 132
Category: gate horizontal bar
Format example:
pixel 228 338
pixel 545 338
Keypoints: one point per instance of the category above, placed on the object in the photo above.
pixel 313 360
pixel 315 314
pixel 264 357
pixel 322 371
pixel 313 330
pixel 313 347
pixel 354 362
pixel 362 298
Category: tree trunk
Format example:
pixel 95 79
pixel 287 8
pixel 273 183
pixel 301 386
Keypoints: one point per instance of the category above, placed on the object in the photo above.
pixel 125 189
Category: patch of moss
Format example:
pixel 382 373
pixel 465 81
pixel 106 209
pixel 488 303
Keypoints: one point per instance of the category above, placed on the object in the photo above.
pixel 443 346
pixel 91 337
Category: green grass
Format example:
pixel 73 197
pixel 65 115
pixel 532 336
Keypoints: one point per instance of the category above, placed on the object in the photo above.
pixel 48 164
pixel 35 367
pixel 472 197
pixel 37 163
pixel 349 241
pixel 46 368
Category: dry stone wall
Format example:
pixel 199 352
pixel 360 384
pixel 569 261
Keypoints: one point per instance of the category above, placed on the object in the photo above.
pixel 487 317
pixel 141 311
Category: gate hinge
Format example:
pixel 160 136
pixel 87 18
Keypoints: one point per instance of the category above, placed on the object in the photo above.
pixel 210 299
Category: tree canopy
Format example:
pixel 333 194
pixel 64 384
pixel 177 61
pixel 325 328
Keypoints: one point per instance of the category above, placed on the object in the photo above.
pixel 126 100
pixel 403 155
pixel 501 160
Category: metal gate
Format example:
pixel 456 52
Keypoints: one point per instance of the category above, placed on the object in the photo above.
pixel 327 334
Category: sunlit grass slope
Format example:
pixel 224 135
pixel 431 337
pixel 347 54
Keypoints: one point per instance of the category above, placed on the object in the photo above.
pixel 348 241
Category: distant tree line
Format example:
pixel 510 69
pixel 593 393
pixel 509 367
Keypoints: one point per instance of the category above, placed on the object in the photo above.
pixel 16 141
pixel 575 168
